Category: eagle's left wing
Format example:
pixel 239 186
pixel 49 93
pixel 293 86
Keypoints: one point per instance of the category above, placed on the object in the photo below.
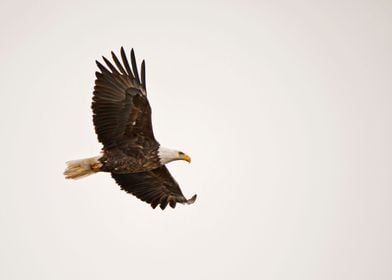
pixel 121 111
pixel 156 187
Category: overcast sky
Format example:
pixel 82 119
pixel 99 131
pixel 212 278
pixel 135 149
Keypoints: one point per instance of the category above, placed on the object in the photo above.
pixel 284 107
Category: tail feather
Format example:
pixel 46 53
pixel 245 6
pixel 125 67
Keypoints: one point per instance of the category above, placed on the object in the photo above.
pixel 80 168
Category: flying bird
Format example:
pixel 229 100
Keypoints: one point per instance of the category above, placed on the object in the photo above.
pixel 122 121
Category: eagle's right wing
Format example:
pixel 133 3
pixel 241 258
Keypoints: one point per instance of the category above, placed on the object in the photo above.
pixel 156 187
pixel 121 110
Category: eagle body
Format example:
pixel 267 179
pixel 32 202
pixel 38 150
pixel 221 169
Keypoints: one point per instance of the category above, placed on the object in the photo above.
pixel 122 121
pixel 130 160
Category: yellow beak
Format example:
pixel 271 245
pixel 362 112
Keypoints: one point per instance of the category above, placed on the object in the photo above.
pixel 186 158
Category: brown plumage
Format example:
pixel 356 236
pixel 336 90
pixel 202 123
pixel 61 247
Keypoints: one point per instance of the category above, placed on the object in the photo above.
pixel 122 120
pixel 156 187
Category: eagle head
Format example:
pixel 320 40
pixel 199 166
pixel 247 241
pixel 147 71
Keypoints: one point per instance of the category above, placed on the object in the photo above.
pixel 167 155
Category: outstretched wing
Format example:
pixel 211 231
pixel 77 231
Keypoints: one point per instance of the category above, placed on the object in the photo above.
pixel 121 111
pixel 156 187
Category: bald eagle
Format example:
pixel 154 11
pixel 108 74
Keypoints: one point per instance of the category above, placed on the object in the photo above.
pixel 122 121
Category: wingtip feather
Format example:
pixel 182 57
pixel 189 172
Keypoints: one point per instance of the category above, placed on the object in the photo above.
pixel 125 62
pixel 134 66
pixel 192 199
pixel 143 74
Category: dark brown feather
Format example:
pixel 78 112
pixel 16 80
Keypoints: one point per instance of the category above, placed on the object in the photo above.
pixel 134 66
pixel 118 64
pixel 143 74
pixel 156 187
pixel 111 67
pixel 126 63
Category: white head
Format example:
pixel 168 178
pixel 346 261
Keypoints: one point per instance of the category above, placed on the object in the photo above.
pixel 167 155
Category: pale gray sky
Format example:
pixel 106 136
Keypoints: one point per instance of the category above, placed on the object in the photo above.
pixel 284 106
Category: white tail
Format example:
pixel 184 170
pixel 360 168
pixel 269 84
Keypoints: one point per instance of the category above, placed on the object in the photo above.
pixel 80 168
